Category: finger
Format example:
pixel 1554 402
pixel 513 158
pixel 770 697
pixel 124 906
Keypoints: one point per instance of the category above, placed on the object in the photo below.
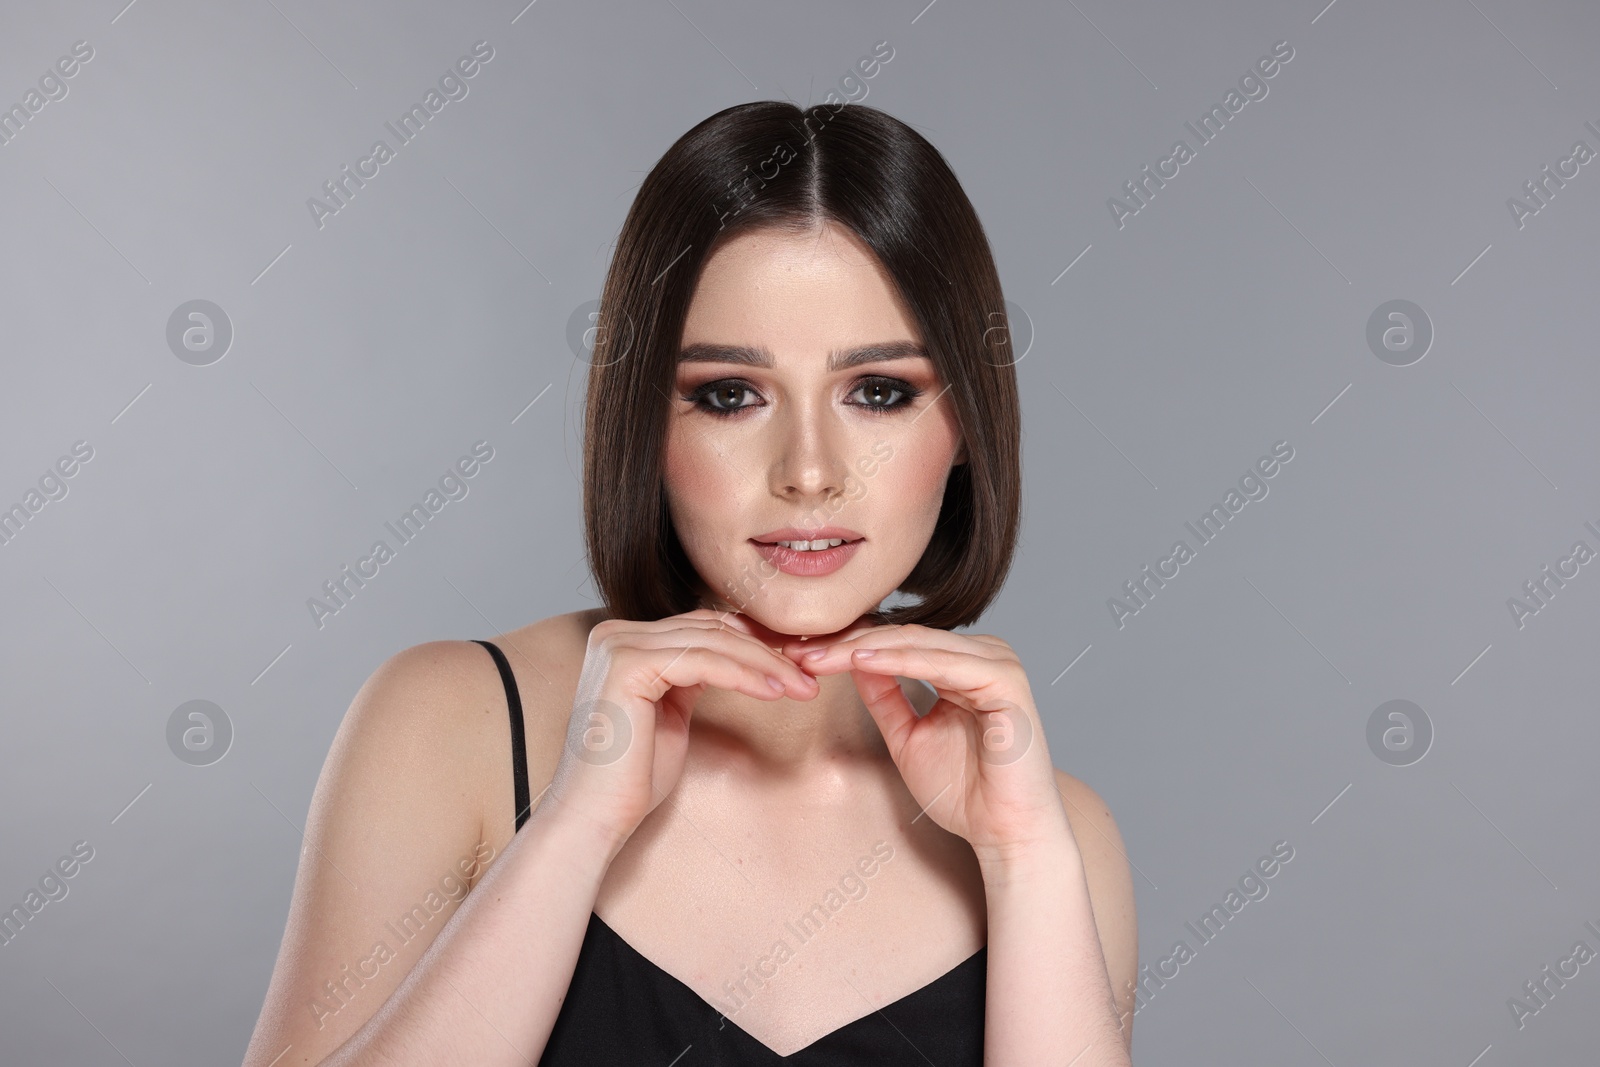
pixel 744 647
pixel 708 620
pixel 736 620
pixel 980 680
pixel 724 617
pixel 836 656
pixel 748 629
pixel 735 646
pixel 794 647
pixel 749 624
pixel 649 673
pixel 787 645
pixel 890 709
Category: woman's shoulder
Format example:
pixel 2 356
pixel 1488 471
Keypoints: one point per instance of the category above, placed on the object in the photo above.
pixel 552 641
pixel 444 701
pixel 446 679
pixel 538 654
pixel 545 658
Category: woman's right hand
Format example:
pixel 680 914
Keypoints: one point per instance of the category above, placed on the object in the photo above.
pixel 629 728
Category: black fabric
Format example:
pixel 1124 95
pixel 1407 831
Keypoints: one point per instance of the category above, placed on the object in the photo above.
pixel 519 746
pixel 622 1009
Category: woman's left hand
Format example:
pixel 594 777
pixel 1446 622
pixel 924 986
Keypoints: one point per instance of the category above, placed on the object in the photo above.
pixel 977 762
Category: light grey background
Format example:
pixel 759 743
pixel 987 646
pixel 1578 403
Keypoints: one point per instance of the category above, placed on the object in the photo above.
pixel 1229 314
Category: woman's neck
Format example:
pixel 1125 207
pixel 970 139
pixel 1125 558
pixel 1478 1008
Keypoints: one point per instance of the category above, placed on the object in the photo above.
pixel 787 738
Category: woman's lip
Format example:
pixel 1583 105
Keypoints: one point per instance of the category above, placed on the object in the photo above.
pixel 806 564
pixel 795 533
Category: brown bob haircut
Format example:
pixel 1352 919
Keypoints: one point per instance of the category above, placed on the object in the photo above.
pixel 770 164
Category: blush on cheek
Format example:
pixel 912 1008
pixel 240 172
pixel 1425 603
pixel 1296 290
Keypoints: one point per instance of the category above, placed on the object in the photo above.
pixel 699 488
pixel 692 469
pixel 920 473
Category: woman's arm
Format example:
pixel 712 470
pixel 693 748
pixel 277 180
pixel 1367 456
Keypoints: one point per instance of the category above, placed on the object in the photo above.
pixel 489 988
pixel 386 957
pixel 1050 994
pixel 482 986
pixel 978 764
pixel 1109 873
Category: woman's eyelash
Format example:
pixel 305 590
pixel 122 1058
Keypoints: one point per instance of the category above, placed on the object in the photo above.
pixel 701 395
pixel 907 391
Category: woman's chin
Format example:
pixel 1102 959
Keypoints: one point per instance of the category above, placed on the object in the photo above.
pixel 782 622
pixel 783 626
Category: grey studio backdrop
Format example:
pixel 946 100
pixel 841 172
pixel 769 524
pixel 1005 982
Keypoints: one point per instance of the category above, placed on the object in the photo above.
pixel 1380 263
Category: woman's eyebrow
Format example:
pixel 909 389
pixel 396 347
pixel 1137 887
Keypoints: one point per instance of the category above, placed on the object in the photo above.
pixel 758 356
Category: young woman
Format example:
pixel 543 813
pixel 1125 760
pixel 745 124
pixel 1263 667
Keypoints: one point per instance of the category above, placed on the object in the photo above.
pixel 740 813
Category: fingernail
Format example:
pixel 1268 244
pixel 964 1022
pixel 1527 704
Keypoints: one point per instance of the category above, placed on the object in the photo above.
pixel 863 653
pixel 775 683
pixel 814 655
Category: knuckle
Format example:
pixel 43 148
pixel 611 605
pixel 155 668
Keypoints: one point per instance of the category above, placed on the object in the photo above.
pixel 998 643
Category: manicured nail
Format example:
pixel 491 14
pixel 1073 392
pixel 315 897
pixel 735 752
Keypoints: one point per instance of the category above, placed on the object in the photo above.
pixel 814 655
pixel 863 653
pixel 775 683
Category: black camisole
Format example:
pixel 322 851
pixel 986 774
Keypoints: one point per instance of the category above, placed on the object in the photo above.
pixel 621 1008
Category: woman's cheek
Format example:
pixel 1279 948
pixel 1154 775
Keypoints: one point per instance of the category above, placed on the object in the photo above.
pixel 697 481
pixel 921 473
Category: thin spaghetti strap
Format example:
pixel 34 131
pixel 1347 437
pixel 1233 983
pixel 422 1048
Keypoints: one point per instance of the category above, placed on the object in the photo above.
pixel 519 747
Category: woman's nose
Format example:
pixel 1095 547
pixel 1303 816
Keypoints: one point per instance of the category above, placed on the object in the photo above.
pixel 810 458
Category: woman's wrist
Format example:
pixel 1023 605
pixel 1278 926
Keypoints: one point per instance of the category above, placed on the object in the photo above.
pixel 585 841
pixel 1050 854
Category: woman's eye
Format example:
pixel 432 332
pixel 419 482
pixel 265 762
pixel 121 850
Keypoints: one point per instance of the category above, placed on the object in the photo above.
pixel 720 398
pixel 729 396
pixel 878 390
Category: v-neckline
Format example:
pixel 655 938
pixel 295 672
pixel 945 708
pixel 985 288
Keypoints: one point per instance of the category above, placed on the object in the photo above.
pixel 663 972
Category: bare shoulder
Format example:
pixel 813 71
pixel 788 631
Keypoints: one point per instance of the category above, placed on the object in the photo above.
pixel 1109 874
pixel 557 642
pixel 545 658
pixel 393 835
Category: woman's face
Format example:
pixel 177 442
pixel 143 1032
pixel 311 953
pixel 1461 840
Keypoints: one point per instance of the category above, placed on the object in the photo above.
pixel 801 406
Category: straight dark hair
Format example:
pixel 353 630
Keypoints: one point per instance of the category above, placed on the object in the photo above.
pixel 769 164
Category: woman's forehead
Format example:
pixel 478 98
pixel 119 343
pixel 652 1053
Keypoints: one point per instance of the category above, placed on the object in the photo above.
pixel 787 295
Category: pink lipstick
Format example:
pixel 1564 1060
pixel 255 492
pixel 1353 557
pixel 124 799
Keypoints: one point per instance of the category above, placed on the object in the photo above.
pixel 808 553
